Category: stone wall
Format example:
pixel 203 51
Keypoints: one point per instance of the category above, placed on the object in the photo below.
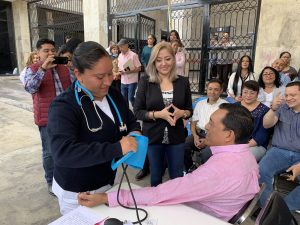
pixel 21 29
pixel 278 31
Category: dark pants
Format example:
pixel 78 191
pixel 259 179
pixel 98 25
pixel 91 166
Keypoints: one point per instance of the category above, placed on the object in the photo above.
pixel 190 148
pixel 276 161
pixel 117 84
pixel 224 71
pixel 47 156
pixel 146 166
pixel 174 155
pixel 213 71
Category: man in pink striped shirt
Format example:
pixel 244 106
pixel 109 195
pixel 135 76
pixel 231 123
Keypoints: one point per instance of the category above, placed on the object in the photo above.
pixel 129 67
pixel 220 187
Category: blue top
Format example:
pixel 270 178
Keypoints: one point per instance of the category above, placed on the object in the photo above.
pixel 284 79
pixel 287 130
pixel 259 134
pixel 146 55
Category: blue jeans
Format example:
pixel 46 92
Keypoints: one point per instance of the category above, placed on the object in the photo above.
pixel 175 158
pixel 128 91
pixel 275 162
pixel 47 157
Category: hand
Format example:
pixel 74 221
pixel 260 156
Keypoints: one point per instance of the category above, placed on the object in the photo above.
pixel 90 200
pixel 197 141
pixel 128 144
pixel 117 76
pixel 277 101
pixel 295 170
pixel 238 99
pixel 47 64
pixel 166 115
pixel 202 143
pixel 178 113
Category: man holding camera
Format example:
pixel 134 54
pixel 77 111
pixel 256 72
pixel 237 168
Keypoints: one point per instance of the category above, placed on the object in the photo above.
pixel 45 80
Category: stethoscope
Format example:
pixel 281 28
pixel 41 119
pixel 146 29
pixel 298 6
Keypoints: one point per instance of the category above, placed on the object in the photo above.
pixel 78 88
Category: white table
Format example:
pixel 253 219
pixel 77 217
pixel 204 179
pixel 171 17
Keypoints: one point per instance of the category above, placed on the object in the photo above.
pixel 164 215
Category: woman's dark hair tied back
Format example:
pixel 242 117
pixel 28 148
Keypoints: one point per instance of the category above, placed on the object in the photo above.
pixel 87 54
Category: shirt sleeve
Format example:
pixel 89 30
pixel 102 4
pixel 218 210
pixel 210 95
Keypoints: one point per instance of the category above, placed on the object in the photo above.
pixel 195 186
pixel 260 134
pixel 64 124
pixel 196 116
pixel 22 75
pixel 139 108
pixel 188 97
pixel 230 84
pixel 136 61
pixel 143 57
pixel 33 80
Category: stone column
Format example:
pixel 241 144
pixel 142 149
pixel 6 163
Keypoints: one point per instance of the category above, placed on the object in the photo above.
pixel 22 34
pixel 278 31
pixel 95 21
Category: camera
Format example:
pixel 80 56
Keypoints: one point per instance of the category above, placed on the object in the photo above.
pixel 60 60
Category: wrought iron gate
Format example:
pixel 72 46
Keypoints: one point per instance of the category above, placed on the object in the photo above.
pixel 55 20
pixel 200 24
pixel 197 22
pixel 134 28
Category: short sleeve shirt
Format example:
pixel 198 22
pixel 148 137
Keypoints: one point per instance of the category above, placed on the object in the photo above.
pixel 122 59
pixel 203 111
pixel 287 130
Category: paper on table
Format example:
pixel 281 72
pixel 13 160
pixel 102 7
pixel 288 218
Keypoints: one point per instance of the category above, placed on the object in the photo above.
pixel 79 216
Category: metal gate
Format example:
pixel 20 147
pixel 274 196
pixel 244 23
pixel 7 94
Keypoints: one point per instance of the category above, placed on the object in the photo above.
pixel 55 20
pixel 198 23
pixel 134 28
pixel 189 22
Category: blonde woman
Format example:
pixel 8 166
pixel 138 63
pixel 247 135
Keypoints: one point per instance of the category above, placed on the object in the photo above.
pixel 33 58
pixel 163 100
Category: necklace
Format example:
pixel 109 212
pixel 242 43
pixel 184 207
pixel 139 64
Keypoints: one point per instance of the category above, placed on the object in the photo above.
pixel 245 77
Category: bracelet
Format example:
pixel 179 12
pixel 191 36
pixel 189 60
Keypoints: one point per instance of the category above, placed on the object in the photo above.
pixel 44 70
pixel 154 119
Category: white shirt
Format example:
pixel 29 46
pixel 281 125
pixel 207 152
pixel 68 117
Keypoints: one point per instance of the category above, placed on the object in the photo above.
pixel 104 106
pixel 22 76
pixel 269 99
pixel 266 98
pixel 203 111
pixel 252 76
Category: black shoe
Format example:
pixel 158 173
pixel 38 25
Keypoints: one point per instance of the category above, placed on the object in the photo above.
pixel 50 190
pixel 141 174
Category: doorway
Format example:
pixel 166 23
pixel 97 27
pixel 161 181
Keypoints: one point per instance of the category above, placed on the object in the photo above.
pixel 7 44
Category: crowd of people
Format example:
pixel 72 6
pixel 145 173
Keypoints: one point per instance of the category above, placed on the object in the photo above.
pixel 87 108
